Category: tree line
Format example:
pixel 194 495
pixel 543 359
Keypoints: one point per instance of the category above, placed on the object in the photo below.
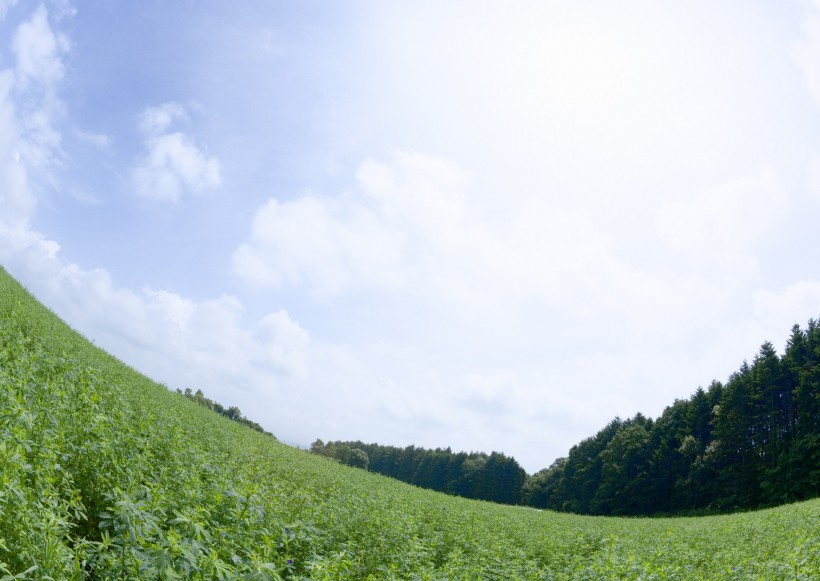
pixel 232 412
pixel 749 443
pixel 494 477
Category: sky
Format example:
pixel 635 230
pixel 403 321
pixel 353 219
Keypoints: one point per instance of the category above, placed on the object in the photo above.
pixel 478 225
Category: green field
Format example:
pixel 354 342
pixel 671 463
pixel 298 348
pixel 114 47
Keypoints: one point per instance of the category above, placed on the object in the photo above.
pixel 108 475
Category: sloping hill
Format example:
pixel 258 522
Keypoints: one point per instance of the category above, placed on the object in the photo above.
pixel 107 475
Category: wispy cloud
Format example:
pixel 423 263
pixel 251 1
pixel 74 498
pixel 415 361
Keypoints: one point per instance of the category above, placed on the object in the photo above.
pixel 100 141
pixel 38 51
pixel 38 71
pixel 4 7
pixel 30 144
pixel 155 121
pixel 173 165
pixel 17 203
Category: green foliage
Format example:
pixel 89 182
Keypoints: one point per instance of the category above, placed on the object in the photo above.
pixel 106 475
pixel 497 478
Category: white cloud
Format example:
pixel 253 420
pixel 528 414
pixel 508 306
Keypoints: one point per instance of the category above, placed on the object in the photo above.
pixel 16 200
pixel 778 311
pixel 411 226
pixel 173 164
pixel 806 51
pixel 414 228
pixel 30 146
pixel 155 121
pixel 99 141
pixel 38 71
pixel 284 340
pixel 173 339
pixel 4 7
pixel 38 51
pixel 328 245
pixel 718 232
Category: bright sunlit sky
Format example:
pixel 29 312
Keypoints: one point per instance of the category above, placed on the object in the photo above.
pixel 483 225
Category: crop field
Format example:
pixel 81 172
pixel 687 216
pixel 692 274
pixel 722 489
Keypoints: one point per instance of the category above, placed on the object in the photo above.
pixel 107 475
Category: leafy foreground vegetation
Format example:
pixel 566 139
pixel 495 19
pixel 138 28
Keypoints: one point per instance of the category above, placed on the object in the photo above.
pixel 107 475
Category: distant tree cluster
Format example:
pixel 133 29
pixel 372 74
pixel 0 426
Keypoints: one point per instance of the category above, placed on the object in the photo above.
pixel 232 413
pixel 494 477
pixel 751 443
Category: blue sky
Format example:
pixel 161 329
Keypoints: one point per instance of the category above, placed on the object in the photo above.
pixel 470 224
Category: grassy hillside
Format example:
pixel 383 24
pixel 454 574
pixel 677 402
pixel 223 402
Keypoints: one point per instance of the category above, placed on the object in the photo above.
pixel 107 475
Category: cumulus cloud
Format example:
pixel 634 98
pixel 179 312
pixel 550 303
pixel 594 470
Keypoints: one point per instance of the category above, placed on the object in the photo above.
pixel 257 363
pixel 174 339
pixel 284 340
pixel 373 238
pixel 413 227
pixel 173 165
pixel 410 226
pixel 329 245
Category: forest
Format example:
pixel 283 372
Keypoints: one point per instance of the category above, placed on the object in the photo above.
pixel 494 477
pixel 749 443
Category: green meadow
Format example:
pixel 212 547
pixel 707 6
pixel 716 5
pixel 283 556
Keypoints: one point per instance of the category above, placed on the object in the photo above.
pixel 108 475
